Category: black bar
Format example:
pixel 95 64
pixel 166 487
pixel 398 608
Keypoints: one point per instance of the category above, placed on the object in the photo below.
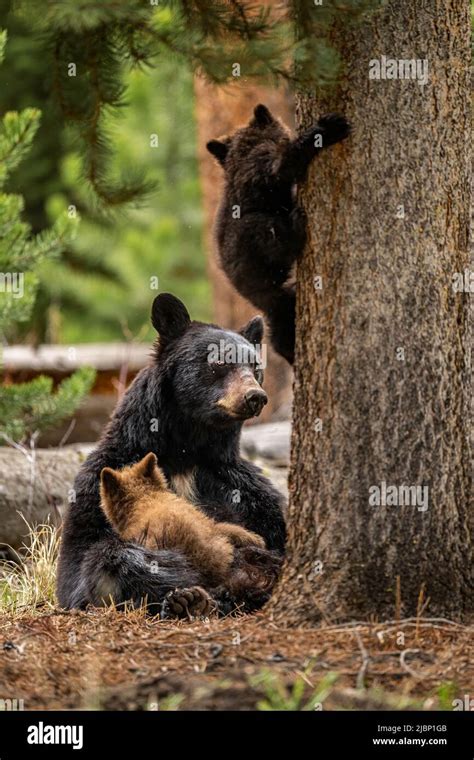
pixel 133 734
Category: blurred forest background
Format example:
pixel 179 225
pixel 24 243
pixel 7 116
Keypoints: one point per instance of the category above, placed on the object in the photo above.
pixel 139 182
pixel 124 147
pixel 127 95
pixel 100 288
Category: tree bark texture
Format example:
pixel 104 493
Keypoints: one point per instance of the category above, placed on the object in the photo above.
pixel 382 372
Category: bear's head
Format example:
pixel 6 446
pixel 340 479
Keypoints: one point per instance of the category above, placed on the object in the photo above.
pixel 213 376
pixel 249 153
pixel 130 482
pixel 121 489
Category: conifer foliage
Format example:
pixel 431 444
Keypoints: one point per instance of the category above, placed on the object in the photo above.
pixel 28 407
pixel 91 42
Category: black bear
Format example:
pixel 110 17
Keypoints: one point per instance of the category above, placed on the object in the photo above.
pixel 260 228
pixel 188 408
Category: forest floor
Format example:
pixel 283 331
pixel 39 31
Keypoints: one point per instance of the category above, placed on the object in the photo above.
pixel 106 659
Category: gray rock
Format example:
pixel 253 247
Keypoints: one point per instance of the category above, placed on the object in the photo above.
pixel 35 487
pixel 270 441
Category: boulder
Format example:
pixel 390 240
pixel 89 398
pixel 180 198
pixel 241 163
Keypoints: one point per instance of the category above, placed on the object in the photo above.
pixel 34 488
pixel 270 442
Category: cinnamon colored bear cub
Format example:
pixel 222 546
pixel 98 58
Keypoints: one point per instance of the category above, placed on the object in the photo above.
pixel 260 228
pixel 140 507
pixel 187 407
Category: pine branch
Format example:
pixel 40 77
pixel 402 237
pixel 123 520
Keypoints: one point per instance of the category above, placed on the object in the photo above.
pixel 29 407
pixel 18 131
pixel 101 91
pixel 3 42
pixel 268 42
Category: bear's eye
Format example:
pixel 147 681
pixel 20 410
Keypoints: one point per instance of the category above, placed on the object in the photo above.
pixel 217 366
pixel 259 376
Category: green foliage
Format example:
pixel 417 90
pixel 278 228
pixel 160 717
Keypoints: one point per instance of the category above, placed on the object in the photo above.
pixel 18 132
pixel 89 61
pixel 27 407
pixel 26 79
pixel 26 83
pixel 20 253
pixel 315 59
pixel 93 43
pixel 447 693
pixel 114 255
pixel 279 697
pixel 118 259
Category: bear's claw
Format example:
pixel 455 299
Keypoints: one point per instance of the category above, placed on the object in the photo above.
pixel 192 602
pixel 335 127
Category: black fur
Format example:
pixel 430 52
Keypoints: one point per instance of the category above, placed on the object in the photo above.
pixel 260 229
pixel 169 409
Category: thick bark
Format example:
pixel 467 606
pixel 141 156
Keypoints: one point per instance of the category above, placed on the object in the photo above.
pixel 383 347
pixel 219 111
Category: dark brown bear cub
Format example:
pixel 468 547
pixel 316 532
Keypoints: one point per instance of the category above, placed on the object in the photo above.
pixel 141 508
pixel 261 230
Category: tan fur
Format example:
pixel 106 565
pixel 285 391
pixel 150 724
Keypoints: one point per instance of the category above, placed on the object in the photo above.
pixel 236 388
pixel 139 505
pixel 183 485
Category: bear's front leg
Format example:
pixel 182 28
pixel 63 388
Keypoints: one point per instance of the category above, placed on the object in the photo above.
pixel 239 536
pixel 330 129
pixel 333 128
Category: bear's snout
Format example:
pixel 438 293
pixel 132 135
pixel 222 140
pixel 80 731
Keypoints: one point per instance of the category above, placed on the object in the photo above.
pixel 255 400
pixel 244 397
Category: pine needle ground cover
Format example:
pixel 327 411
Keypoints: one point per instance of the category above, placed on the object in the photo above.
pixel 105 659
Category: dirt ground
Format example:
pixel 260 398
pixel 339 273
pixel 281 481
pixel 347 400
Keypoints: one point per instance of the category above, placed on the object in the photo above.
pixel 105 659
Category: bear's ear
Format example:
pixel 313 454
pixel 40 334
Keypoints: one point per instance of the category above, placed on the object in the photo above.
pixel 110 483
pixel 253 330
pixel 219 149
pixel 147 468
pixel 169 317
pixel 261 116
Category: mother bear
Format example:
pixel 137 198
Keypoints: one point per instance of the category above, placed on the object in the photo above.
pixel 188 407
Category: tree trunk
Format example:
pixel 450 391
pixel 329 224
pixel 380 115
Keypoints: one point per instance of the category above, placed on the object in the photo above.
pixel 220 111
pixel 382 375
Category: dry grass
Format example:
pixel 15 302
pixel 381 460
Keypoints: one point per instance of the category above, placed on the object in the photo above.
pixel 106 659
pixel 30 583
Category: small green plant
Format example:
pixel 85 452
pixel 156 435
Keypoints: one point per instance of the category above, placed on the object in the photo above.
pixel 171 703
pixel 278 696
pixel 446 693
